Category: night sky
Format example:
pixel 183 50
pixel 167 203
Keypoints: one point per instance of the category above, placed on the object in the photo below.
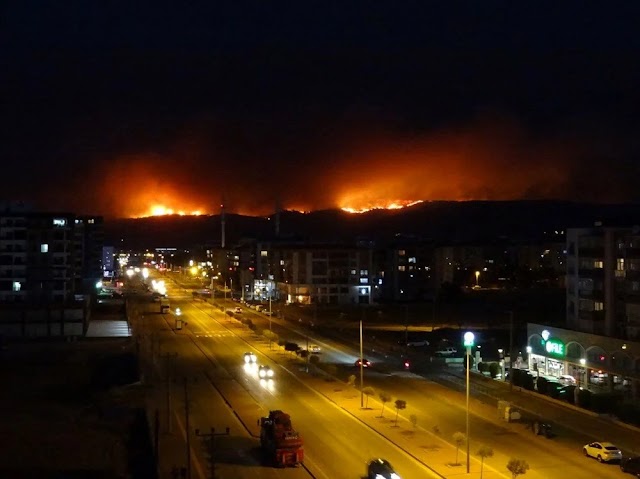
pixel 112 107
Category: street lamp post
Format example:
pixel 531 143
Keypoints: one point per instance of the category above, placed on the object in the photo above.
pixel 468 343
pixel 583 363
pixel 361 370
pixel 477 279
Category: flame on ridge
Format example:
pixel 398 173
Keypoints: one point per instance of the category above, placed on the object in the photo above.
pixel 161 210
pixel 391 205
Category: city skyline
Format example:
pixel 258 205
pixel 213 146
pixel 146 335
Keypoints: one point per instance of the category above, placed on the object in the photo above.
pixel 117 110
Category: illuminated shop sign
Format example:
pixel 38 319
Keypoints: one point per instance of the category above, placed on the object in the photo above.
pixel 555 347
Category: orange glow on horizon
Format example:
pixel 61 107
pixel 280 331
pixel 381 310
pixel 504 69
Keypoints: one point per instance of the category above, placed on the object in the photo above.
pixel 161 210
pixel 382 205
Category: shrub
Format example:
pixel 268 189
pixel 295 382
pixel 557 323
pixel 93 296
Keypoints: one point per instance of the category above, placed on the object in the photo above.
pixel 483 368
pixel 541 384
pixel 368 392
pixel 494 370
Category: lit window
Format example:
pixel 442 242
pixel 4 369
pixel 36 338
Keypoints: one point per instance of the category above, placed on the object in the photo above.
pixel 598 306
pixel 281 262
pixel 598 264
pixel 401 252
pixel 401 267
pixel 44 248
pixel 363 291
pixel 364 280
pixel 264 253
pixel 353 271
pixel 620 264
pixel 17 286
pixel 59 222
pixel 364 272
pixel 91 221
pixel 412 259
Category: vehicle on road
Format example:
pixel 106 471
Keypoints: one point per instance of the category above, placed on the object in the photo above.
pixel 265 372
pixel 447 351
pixel 381 469
pixel 267 313
pixel 631 465
pixel 602 451
pixel 237 310
pixel 164 305
pixel 250 358
pixel 314 349
pixel 281 444
pixel 365 363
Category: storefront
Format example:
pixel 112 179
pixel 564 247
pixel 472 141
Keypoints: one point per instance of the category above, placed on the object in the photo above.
pixel 595 362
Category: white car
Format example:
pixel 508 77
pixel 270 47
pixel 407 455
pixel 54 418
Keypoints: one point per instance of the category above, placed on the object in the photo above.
pixel 238 310
pixel 567 380
pixel 448 351
pixel 265 372
pixel 603 451
pixel 314 349
pixel 250 358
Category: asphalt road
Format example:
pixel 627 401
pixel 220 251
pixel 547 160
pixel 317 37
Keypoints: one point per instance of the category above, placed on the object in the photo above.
pixel 445 408
pixel 212 347
pixel 432 403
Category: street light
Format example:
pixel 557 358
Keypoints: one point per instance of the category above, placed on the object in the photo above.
pixel 469 338
pixel 477 278
pixel 583 363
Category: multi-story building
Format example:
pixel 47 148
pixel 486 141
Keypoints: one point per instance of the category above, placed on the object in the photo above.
pixel 603 281
pixel 47 257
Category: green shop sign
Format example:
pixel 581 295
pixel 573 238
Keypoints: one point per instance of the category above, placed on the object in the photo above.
pixel 555 347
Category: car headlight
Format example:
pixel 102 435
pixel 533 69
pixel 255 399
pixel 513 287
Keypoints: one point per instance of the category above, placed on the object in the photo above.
pixel 270 373
pixel 394 476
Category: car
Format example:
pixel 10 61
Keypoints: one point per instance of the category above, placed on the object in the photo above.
pixel 265 372
pixel 250 358
pixel 602 451
pixel 381 469
pixel 567 393
pixel 267 313
pixel 365 363
pixel 314 349
pixel 448 351
pixel 631 465
pixel 567 380
pixel 238 310
pixel 418 343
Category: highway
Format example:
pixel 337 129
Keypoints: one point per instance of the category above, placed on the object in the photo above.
pixel 225 339
pixel 211 346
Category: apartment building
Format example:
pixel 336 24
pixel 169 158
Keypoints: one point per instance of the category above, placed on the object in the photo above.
pixel 47 257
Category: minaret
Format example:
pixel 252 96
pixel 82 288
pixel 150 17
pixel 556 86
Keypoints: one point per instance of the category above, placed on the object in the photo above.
pixel 222 219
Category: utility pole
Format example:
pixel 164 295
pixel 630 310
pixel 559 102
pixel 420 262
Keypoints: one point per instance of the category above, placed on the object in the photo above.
pixel 511 362
pixel 169 359
pixel 188 430
pixel 211 436
pixel 361 367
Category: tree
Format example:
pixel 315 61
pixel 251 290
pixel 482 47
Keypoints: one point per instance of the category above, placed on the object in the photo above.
pixel 484 452
pixel 414 420
pixel 517 467
pixel 459 439
pixel 400 404
pixel 368 391
pixel 384 399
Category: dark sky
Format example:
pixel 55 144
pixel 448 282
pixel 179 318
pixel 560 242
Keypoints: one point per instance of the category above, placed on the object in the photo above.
pixel 112 107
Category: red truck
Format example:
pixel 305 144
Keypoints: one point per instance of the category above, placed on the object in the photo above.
pixel 281 444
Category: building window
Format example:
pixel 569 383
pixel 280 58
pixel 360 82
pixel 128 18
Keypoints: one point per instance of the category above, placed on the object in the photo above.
pixel 364 280
pixel 91 221
pixel 264 253
pixel 598 264
pixel 281 262
pixel 598 306
pixel 620 264
pixel 44 248
pixel 412 259
pixel 363 291
pixel 59 222
pixel 401 267
pixel 401 252
pixel 364 272
pixel 17 286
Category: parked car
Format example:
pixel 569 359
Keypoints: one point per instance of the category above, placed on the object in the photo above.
pixel 602 451
pixel 381 469
pixel 447 351
pixel 631 465
pixel 237 310
pixel 567 380
pixel 418 343
pixel 567 393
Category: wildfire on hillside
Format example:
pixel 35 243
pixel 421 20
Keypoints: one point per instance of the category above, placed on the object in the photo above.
pixel 383 205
